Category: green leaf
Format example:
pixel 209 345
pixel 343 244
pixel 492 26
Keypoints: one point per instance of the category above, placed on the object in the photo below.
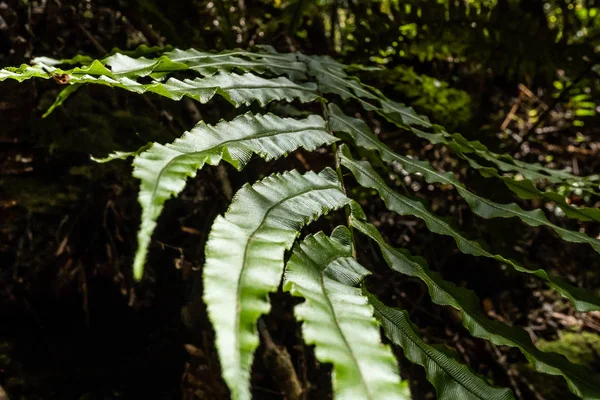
pixel 23 72
pixel 163 170
pixel 62 97
pixel 208 64
pixel 122 155
pixel 524 188
pixel 507 163
pixel 331 78
pixel 580 380
pixel 322 271
pixel 366 176
pixel 123 65
pixel 398 112
pixel 245 258
pixel 237 89
pixel 451 379
pixel 363 137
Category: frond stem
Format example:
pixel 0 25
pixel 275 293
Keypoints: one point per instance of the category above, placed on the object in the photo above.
pixel 338 170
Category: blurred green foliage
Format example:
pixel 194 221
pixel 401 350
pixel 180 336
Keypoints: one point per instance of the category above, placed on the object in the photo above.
pixel 580 348
pixel 446 105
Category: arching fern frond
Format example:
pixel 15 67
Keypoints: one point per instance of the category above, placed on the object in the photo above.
pixel 244 259
pixel 338 319
pixel 163 170
pixel 366 176
pixel 237 89
pixel 581 381
pixel 485 208
pixel 246 247
pixel 451 379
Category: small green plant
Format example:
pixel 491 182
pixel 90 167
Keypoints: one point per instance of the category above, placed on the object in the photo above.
pixel 246 248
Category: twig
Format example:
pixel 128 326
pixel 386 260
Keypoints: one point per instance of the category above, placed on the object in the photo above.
pixel 340 175
pixel 512 112
pixel 501 359
pixel 92 39
pixel 561 97
pixel 278 361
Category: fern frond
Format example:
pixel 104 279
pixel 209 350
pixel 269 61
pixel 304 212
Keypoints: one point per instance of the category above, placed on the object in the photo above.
pixel 208 64
pixel 163 170
pixel 244 259
pixel 363 137
pixel 332 78
pixel 580 380
pixel 524 188
pixel 122 155
pixel 451 379
pixel 338 319
pixel 366 176
pixel 237 89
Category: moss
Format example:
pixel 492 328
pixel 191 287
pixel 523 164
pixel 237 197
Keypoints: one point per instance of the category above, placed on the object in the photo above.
pixel 448 106
pixel 580 348
pixel 39 195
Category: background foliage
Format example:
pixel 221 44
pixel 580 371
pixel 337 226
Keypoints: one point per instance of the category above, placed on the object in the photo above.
pixel 521 76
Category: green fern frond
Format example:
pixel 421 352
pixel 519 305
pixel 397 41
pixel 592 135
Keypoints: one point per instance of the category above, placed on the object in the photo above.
pixel 332 78
pixel 122 155
pixel 237 89
pixel 363 137
pixel 245 259
pixel 246 248
pixel 580 380
pixel 524 188
pixel 208 64
pixel 527 190
pixel 451 379
pixel 366 176
pixel 163 170
pixel 338 319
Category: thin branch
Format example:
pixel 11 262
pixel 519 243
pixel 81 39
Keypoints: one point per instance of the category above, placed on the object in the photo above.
pixel 561 97
pixel 340 175
pixel 279 362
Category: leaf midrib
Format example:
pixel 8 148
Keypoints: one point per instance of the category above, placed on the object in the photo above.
pixel 266 134
pixel 461 189
pixel 245 256
pixel 339 329
pixel 478 319
pixel 408 335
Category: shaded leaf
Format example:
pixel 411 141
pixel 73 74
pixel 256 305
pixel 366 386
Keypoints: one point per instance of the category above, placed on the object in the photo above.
pixel 363 137
pixel 451 379
pixel 366 176
pixel 580 380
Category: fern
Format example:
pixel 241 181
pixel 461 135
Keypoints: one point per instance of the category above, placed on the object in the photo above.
pixel 451 379
pixel 246 248
pixel 163 170
pixel 581 382
pixel 338 319
pixel 245 257
pixel 403 205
